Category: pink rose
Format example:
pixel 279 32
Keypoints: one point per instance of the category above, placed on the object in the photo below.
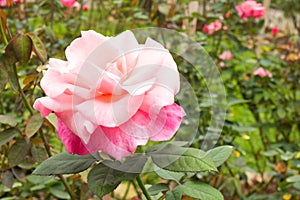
pixel 250 8
pixel 112 94
pixel 222 64
pixel 274 31
pixel 85 7
pixel 70 3
pixel 227 15
pixel 226 55
pixel 262 73
pixel 212 27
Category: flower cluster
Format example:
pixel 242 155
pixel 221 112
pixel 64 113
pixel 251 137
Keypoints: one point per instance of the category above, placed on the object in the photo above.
pixel 213 27
pixel 112 94
pixel 250 8
pixel 226 55
pixel 262 73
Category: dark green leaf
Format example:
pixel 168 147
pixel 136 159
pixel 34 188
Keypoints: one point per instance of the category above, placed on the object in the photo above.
pixel 220 154
pixel 180 159
pixel 39 154
pixel 133 164
pixel 7 179
pixel 5 119
pixel 103 179
pixel 156 189
pixel 64 163
pixel 7 135
pixel 17 152
pixel 175 194
pixel 3 78
pixel 20 48
pixel 34 124
pixel 201 191
pixel 38 47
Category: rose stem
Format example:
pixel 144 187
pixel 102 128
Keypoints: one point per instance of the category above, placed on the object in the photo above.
pixel 145 192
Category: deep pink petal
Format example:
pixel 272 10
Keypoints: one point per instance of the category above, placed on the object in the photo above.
pixel 72 142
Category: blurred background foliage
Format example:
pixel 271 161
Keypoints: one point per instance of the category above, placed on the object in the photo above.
pixel 263 119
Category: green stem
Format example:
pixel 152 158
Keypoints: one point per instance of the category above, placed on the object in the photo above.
pixel 145 192
pixel 26 103
pixel 3 34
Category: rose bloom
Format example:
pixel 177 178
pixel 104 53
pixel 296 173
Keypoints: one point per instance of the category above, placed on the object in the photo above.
pixel 226 55
pixel 106 100
pixel 250 8
pixel 70 3
pixel 262 73
pixel 274 31
pixel 212 27
pixel 3 3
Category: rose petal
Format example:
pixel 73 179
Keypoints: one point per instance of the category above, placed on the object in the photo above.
pixel 105 109
pixel 80 49
pixel 174 115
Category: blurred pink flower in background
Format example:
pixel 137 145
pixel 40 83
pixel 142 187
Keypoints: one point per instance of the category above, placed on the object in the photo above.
pixel 262 73
pixel 212 27
pixel 274 31
pixel 226 55
pixel 222 64
pixel 85 7
pixel 250 8
pixel 106 100
pixel 3 3
pixel 227 15
pixel 70 3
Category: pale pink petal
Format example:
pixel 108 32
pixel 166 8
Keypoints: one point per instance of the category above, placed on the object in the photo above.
pixel 60 104
pixel 38 105
pixel 110 111
pixel 156 98
pixel 80 48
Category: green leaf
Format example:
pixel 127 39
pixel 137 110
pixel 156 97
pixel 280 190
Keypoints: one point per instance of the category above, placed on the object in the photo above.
pixel 38 47
pixel 7 179
pixel 64 163
pixel 156 189
pixel 220 154
pixel 201 191
pixel 34 124
pixel 39 154
pixel 3 78
pixel 168 175
pixel 233 102
pixel 59 192
pixel 295 178
pixel 17 152
pixel 175 194
pixel 5 119
pixel 7 135
pixel 103 179
pixel 20 48
pixel 133 164
pixel 179 159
